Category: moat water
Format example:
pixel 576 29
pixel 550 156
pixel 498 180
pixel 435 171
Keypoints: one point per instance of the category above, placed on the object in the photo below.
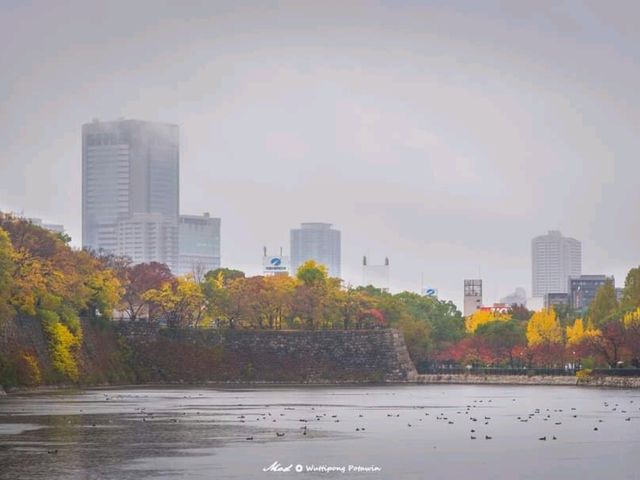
pixel 385 432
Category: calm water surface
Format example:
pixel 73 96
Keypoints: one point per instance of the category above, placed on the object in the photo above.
pixel 405 432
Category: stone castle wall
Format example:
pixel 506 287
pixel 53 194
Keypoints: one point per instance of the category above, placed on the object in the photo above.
pixel 194 355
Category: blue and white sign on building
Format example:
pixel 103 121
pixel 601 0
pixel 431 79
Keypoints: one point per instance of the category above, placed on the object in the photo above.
pixel 430 292
pixel 275 265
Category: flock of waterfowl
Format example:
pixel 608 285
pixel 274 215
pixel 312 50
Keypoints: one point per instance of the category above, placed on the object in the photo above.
pixel 462 414
pixel 554 416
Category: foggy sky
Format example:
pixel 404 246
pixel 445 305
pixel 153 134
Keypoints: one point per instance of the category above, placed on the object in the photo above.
pixel 444 135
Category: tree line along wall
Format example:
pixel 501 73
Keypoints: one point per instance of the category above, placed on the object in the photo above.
pixel 100 358
pixel 323 356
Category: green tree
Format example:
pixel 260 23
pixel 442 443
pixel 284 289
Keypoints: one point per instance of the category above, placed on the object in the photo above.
pixel 604 305
pixel 631 293
pixel 225 275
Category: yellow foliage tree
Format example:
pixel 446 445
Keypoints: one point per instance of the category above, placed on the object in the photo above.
pixel 544 328
pixel 480 317
pixel 632 319
pixel 63 347
pixel 577 332
pixel 7 268
pixel 181 302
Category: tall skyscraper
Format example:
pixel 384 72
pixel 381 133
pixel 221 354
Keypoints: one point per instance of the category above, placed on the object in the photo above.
pixel 554 259
pixel 130 175
pixel 199 244
pixel 319 242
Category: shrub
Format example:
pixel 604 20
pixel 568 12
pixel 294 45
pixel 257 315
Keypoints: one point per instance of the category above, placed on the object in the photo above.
pixel 584 373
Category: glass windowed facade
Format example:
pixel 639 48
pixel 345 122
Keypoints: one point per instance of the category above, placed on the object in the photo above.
pixel 319 242
pixel 130 170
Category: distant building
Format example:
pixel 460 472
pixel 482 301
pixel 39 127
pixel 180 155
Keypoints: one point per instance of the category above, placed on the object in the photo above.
pixel 519 297
pixel 52 227
pixel 319 242
pixel 553 299
pixel 375 275
pixel 554 259
pixel 497 308
pixel 198 244
pixel 130 178
pixel 582 290
pixel 472 296
pixel 147 237
pixel 274 264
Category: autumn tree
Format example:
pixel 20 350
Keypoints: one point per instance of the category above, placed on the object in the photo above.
pixel 6 275
pixel 632 334
pixel 544 336
pixel 544 328
pixel 311 294
pixel 232 303
pixel 480 317
pixel 56 284
pixel 140 279
pixel 581 337
pixel 181 302
pixel 504 339
pixel 276 300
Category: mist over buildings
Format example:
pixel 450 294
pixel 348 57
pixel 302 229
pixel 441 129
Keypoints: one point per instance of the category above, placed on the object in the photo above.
pixel 444 135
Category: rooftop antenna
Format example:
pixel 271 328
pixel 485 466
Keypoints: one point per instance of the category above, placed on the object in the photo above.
pixel 364 270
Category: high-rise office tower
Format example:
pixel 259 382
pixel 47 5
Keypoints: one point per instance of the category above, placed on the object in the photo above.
pixel 130 174
pixel 316 241
pixel 199 244
pixel 554 259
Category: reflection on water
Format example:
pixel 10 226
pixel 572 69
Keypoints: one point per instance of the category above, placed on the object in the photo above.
pixel 408 432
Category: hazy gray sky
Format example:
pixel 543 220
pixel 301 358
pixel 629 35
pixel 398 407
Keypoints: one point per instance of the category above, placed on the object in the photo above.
pixel 442 134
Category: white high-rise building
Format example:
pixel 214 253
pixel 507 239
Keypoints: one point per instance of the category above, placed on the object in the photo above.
pixel 147 237
pixel 554 259
pixel 319 242
pixel 130 175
